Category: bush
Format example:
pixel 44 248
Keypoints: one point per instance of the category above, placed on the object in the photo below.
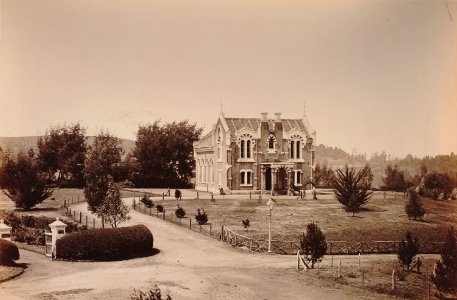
pixel 152 294
pixel 201 217
pixel 147 201
pixel 436 185
pixel 180 212
pixel 106 244
pixel 8 252
pixel 178 194
pixel 159 208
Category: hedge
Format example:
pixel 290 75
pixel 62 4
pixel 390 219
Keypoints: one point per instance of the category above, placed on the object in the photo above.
pixel 106 244
pixel 8 252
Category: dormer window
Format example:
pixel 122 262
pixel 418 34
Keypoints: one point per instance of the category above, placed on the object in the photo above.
pixel 271 141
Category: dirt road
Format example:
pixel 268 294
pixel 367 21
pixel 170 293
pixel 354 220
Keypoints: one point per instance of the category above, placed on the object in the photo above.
pixel 189 265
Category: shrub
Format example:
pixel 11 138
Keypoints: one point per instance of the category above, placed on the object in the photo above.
pixel 201 217
pixel 106 244
pixel 414 208
pixel 436 185
pixel 147 201
pixel 408 249
pixel 178 194
pixel 246 224
pixel 445 273
pixel 159 208
pixel 313 243
pixel 153 294
pixel 180 212
pixel 8 252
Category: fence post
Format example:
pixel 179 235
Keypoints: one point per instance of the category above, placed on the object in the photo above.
pixel 134 204
pixel 339 269
pixel 150 210
pixel 250 245
pixel 163 196
pixel 210 229
pixel 80 217
pixel 190 223
pixel 163 214
pixel 393 279
pixel 359 261
pixel 87 217
pixel 222 232
pixel 65 203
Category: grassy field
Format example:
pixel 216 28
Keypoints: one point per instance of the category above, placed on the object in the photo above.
pixel 381 219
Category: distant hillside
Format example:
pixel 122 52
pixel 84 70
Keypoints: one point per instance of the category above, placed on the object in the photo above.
pixel 16 144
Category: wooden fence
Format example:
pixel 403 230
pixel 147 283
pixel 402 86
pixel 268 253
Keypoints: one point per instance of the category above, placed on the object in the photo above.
pixel 333 247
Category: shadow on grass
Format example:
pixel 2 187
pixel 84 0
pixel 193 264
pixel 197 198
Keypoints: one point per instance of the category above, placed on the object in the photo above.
pixel 38 209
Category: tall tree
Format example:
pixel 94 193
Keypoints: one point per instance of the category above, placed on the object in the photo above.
pixel 62 150
pixel 25 184
pixel 165 153
pixel 353 189
pixel 394 179
pixel 323 176
pixel 102 157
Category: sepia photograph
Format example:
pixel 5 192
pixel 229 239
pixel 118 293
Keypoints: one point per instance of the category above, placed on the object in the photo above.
pixel 228 149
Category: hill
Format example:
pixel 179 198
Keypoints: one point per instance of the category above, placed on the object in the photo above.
pixel 16 144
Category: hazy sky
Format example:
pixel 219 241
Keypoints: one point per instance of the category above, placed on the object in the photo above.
pixel 375 75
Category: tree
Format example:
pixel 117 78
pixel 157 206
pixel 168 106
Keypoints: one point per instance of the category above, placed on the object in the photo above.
pixel 436 185
pixel 445 273
pixel 414 208
pixel 313 243
pixel 112 209
pixel 408 249
pixel 147 201
pixel 62 150
pixel 353 190
pixel 102 157
pixel 323 176
pixel 25 183
pixel 201 217
pixel 394 179
pixel 165 154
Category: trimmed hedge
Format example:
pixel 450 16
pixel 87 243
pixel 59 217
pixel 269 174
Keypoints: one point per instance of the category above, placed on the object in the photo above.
pixel 106 244
pixel 8 252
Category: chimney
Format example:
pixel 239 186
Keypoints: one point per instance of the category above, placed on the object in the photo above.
pixel 278 117
pixel 264 117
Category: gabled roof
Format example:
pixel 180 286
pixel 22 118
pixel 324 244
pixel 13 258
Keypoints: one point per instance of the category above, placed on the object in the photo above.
pixel 253 124
pixel 206 141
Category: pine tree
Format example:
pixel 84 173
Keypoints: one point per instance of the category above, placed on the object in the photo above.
pixel 313 243
pixel 408 249
pixel 414 208
pixel 445 273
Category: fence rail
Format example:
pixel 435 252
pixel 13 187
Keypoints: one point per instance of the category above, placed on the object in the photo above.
pixel 333 247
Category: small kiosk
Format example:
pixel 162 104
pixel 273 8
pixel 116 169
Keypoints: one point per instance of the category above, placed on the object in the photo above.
pixel 5 231
pixel 57 231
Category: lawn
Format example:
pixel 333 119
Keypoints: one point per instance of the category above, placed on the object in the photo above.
pixel 382 218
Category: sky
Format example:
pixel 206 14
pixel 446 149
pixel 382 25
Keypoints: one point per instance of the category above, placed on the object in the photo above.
pixel 374 75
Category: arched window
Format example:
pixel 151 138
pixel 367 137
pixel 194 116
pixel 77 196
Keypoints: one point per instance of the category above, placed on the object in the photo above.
pixel 242 149
pixel 248 149
pixel 271 142
pixel 298 150
pixel 292 149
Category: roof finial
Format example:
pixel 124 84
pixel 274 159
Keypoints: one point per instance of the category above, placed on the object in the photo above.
pixel 221 112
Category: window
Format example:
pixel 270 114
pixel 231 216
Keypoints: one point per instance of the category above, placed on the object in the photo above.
pixel 245 177
pixel 292 149
pixel 298 177
pixel 297 154
pixel 248 149
pixel 242 149
pixel 271 142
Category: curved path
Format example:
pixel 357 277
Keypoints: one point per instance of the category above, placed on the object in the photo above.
pixel 189 265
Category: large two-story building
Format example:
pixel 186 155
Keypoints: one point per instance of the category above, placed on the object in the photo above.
pixel 255 154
